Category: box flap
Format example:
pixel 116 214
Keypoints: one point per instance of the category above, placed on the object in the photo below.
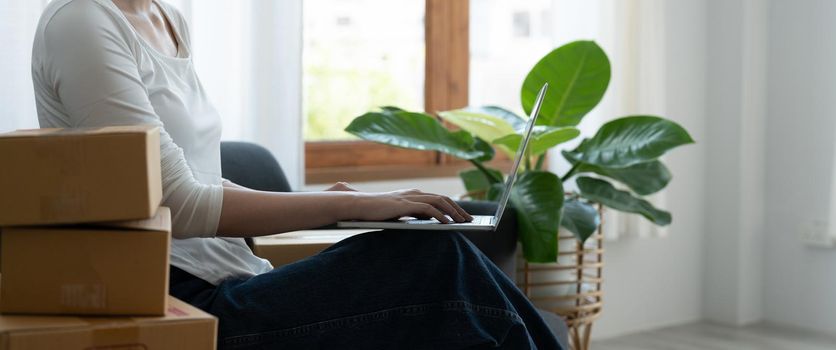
pixel 178 311
pixel 13 323
pixel 160 222
pixel 49 132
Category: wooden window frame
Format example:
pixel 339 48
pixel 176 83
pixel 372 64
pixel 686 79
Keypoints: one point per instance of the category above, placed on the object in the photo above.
pixel 446 79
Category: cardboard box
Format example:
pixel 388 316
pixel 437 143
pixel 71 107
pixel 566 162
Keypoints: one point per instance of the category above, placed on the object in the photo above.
pixel 109 269
pixel 286 248
pixel 61 176
pixel 182 327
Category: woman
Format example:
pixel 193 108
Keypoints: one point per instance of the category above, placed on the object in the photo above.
pixel 121 62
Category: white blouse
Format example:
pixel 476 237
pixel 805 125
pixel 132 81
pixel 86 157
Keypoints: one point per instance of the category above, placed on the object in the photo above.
pixel 91 68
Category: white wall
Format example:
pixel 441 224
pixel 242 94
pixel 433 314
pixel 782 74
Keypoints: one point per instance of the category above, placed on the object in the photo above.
pixel 18 20
pixel 651 283
pixel 770 160
pixel 735 119
pixel 800 281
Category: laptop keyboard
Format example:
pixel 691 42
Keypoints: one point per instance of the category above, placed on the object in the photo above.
pixel 477 220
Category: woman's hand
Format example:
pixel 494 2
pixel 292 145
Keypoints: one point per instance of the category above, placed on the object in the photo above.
pixel 389 205
pixel 384 206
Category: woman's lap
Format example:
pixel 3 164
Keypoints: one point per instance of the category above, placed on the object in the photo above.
pixel 386 289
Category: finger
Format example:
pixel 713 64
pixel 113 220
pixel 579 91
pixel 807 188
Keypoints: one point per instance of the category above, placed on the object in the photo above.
pixel 455 206
pixel 441 204
pixel 458 208
pixel 457 213
pixel 431 211
pixel 413 191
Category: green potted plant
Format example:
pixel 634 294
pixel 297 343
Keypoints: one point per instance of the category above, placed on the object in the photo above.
pixel 625 150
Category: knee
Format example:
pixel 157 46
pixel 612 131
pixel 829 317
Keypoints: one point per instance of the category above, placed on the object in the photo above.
pixel 444 247
pixel 430 248
pixel 430 240
pixel 418 242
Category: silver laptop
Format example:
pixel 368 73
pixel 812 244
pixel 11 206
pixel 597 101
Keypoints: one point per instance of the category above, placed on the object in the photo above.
pixel 480 222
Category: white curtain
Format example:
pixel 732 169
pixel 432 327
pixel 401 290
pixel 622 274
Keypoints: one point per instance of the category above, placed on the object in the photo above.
pixel 18 20
pixel 247 54
pixel 632 33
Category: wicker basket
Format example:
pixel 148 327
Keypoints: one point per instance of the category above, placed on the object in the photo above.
pixel 571 287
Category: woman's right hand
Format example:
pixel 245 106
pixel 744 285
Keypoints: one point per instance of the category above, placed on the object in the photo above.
pixel 395 204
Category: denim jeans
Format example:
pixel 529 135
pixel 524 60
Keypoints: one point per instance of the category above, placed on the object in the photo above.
pixel 379 290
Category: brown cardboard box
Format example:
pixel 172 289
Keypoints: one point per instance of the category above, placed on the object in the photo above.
pixel 285 248
pixel 61 176
pixel 182 327
pixel 116 268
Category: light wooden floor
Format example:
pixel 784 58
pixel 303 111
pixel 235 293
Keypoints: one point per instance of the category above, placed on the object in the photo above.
pixel 703 336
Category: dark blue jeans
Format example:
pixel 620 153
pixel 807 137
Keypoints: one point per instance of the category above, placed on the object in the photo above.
pixel 379 290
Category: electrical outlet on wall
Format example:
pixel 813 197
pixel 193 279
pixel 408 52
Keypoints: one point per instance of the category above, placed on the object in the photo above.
pixel 816 233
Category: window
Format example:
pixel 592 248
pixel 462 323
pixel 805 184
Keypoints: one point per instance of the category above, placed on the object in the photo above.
pixel 354 61
pixel 522 24
pixel 508 37
pixel 362 54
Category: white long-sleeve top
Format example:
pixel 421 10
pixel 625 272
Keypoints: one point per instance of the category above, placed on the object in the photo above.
pixel 91 68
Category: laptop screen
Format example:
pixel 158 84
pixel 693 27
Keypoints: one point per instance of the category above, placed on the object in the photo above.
pixel 512 174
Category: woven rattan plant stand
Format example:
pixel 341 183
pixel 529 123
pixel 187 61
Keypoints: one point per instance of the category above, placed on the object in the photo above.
pixel 571 287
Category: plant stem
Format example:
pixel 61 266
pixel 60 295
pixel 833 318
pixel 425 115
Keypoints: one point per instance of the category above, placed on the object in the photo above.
pixel 540 160
pixel 527 163
pixel 571 172
pixel 491 176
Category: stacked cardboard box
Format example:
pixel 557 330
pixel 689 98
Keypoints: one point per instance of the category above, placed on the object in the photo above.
pixel 114 269
pixel 67 176
pixel 82 233
pixel 182 327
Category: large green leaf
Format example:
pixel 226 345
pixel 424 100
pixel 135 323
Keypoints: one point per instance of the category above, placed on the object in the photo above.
pixel 578 74
pixel 580 218
pixel 517 122
pixel 484 147
pixel 510 142
pixel 603 192
pixel 630 140
pixel 542 139
pixel 477 183
pixel 415 131
pixel 643 178
pixel 391 109
pixel 538 197
pixel 486 126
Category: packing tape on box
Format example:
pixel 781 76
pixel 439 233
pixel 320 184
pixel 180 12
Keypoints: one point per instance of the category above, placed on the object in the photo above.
pixel 61 206
pixel 84 296
pixel 106 332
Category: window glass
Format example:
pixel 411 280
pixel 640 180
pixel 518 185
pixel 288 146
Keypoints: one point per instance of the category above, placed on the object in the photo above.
pixel 506 40
pixel 359 55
